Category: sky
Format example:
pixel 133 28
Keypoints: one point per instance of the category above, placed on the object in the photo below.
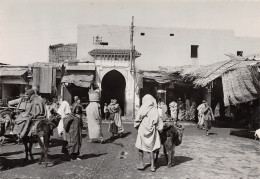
pixel 28 27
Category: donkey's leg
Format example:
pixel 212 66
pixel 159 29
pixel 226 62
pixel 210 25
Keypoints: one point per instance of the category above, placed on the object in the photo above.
pixel 169 145
pixel 26 149
pixel 44 140
pixel 172 157
pixel 30 148
pixel 42 149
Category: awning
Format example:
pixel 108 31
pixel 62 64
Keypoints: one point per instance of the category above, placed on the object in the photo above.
pixel 79 80
pixel 238 87
pixel 12 71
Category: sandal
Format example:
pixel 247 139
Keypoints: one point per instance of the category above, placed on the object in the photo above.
pixel 152 169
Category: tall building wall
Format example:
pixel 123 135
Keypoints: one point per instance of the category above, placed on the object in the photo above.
pixel 166 46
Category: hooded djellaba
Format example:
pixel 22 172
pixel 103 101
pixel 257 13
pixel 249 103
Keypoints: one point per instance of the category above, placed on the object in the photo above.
pixel 73 132
pixel 148 123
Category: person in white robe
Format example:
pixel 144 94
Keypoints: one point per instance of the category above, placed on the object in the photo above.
pixel 148 123
pixel 173 109
pixel 63 111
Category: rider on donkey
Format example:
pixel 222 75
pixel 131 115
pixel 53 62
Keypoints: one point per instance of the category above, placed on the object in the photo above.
pixel 35 110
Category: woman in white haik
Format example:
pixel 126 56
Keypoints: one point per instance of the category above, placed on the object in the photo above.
pixel 148 124
pixel 63 111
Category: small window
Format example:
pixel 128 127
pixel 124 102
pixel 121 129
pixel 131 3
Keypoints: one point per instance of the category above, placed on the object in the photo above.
pixel 103 43
pixel 171 34
pixel 194 51
pixel 142 34
pixel 240 53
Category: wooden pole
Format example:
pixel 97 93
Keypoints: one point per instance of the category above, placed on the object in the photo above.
pixel 132 62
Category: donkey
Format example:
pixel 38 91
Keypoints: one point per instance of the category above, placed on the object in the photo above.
pixel 44 129
pixel 171 136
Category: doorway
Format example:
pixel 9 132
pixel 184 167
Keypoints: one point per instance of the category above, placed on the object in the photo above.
pixel 113 87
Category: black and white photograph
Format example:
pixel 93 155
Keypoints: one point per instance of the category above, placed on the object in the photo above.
pixel 138 89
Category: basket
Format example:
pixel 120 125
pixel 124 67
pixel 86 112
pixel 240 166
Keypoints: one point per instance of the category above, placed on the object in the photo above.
pixel 94 96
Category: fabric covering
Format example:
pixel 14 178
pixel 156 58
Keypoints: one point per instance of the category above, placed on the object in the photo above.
pixel 149 124
pixel 45 79
pixel 238 87
pixel 79 80
pixel 94 121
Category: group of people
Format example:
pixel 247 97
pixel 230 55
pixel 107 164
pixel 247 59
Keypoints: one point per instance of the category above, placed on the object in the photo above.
pixel 178 110
pixel 71 124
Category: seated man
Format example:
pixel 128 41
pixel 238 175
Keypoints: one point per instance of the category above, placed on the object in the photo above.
pixel 35 110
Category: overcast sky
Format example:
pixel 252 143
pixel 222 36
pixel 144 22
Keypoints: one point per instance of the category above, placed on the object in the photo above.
pixel 28 27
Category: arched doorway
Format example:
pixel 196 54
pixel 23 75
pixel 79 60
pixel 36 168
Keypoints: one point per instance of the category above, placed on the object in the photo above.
pixel 113 87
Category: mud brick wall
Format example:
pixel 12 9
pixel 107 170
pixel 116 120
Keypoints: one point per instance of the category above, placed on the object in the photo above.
pixel 60 53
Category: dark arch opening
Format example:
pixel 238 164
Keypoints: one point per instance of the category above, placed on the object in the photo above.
pixel 113 87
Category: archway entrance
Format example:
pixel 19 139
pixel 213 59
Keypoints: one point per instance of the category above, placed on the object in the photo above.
pixel 113 87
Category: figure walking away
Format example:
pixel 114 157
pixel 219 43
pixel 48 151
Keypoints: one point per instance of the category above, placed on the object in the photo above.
pixel 94 119
pixel 148 123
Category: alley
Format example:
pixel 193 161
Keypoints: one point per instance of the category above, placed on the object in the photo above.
pixel 218 155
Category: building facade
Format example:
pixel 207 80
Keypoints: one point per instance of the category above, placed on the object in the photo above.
pixel 159 47
pixel 166 46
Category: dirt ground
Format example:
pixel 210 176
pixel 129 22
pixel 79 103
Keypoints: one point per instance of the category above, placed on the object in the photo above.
pixel 218 155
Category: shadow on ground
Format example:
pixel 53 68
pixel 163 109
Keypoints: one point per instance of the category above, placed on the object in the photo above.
pixel 14 163
pixel 63 158
pixel 177 161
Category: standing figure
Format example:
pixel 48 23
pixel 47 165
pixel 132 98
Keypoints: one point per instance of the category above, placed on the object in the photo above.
pixel 162 109
pixel 173 109
pixel 118 117
pixel 73 132
pixel 159 106
pixel 148 123
pixel 208 116
pixel 106 111
pixel 193 111
pixel 181 110
pixel 217 111
pixel 116 125
pixel 75 102
pixel 201 115
pixel 63 111
pixel 187 106
pixel 94 119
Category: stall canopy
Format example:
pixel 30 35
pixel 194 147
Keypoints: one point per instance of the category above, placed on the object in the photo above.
pixel 238 87
pixel 240 78
pixel 79 80
pixel 12 71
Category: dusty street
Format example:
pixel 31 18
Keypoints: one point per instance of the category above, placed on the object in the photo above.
pixel 218 155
